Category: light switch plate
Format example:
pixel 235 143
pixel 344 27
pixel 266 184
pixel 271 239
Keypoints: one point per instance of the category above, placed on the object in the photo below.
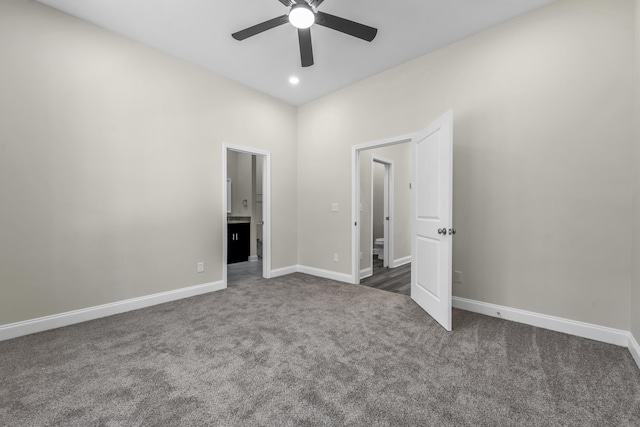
pixel 457 276
pixel 335 207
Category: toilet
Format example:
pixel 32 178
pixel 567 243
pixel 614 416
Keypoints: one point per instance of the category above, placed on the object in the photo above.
pixel 378 248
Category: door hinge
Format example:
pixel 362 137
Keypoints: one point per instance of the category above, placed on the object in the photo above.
pixel 355 223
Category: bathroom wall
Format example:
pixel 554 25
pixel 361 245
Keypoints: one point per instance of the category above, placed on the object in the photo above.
pixel 239 169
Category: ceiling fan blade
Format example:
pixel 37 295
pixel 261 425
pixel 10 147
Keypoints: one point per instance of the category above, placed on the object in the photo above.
pixel 263 26
pixel 287 3
pixel 306 50
pixel 315 3
pixel 354 29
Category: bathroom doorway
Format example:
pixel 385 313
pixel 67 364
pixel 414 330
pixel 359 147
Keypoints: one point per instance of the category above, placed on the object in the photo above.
pixel 246 219
pixel 381 211
pixel 430 222
pixel 384 199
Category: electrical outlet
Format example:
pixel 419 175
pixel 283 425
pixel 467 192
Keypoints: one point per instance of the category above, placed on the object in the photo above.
pixel 336 258
pixel 457 276
pixel 200 267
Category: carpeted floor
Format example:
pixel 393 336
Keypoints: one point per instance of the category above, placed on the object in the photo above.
pixel 298 351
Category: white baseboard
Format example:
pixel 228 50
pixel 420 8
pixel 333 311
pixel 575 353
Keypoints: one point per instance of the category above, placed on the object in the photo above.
pixel 18 329
pixel 253 258
pixel 401 261
pixel 318 272
pixel 366 272
pixel 284 271
pixel 572 327
pixel 327 274
pixel 634 349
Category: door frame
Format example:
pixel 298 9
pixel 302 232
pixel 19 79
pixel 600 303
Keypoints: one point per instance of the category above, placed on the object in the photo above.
pixel 266 206
pixel 389 212
pixel 355 196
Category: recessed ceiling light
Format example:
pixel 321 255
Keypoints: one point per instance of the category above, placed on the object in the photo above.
pixel 294 80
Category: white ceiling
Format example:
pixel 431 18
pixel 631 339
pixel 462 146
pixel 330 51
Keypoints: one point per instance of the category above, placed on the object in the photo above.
pixel 199 31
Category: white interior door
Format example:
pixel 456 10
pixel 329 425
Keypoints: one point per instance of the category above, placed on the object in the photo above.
pixel 431 246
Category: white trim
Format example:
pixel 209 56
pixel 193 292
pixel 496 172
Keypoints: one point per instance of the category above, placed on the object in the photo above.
pixel 312 271
pixel 266 207
pixel 634 349
pixel 401 261
pixel 366 272
pixel 355 197
pixel 567 326
pixel 371 241
pixel 384 142
pixel 355 215
pixel 284 271
pixel 318 272
pixel 389 209
pixel 253 258
pixel 13 330
pixel 327 274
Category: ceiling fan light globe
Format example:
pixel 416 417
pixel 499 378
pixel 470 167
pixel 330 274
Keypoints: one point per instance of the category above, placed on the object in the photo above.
pixel 301 16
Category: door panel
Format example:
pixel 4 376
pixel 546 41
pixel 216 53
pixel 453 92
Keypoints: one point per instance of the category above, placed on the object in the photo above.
pixel 432 216
pixel 428 177
pixel 428 256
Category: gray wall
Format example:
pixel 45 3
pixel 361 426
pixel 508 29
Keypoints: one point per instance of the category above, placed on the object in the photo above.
pixel 635 290
pixel 110 165
pixel 542 166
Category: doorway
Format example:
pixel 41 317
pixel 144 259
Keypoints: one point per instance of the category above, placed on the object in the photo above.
pixel 381 210
pixel 431 219
pixel 246 237
pixel 384 202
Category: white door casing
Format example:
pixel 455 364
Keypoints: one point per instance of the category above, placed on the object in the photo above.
pixel 385 218
pixel 432 208
pixel 388 212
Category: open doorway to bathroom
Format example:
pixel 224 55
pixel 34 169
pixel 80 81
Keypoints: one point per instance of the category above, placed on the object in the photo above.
pixel 246 224
pixel 381 210
pixel 384 174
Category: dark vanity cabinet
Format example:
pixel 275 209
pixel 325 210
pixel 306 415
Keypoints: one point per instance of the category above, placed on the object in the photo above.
pixel 238 237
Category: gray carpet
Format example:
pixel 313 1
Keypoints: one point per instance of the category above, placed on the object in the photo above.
pixel 298 351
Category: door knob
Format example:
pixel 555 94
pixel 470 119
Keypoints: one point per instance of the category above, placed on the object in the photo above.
pixel 452 231
pixel 442 231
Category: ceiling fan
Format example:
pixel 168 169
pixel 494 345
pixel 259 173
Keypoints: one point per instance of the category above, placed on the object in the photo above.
pixel 302 15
